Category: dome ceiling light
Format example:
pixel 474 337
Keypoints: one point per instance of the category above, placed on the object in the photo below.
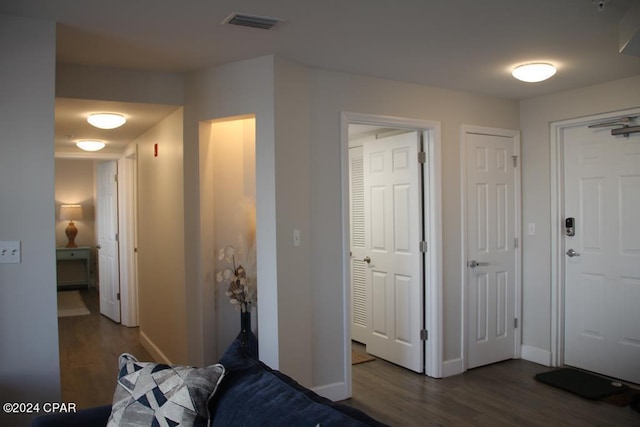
pixel 106 120
pixel 534 72
pixel 90 145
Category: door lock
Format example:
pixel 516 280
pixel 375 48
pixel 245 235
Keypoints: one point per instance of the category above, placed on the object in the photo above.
pixel 570 226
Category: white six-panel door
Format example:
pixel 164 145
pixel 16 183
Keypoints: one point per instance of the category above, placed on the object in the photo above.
pixel 491 252
pixel 602 260
pixel 392 260
pixel 107 230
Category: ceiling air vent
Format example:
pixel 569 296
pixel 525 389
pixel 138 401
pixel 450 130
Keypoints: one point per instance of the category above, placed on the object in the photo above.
pixel 253 21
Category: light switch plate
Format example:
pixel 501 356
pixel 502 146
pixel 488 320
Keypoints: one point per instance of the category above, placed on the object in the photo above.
pixel 532 229
pixel 9 252
pixel 296 237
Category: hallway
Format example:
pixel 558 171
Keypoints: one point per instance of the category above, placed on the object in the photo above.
pixel 89 350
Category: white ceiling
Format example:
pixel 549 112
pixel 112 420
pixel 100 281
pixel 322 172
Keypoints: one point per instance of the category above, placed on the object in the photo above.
pixel 468 45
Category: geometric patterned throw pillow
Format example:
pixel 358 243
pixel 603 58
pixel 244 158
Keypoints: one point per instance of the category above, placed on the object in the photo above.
pixel 158 395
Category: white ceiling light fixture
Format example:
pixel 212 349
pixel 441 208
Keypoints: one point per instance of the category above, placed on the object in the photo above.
pixel 106 120
pixel 90 145
pixel 534 72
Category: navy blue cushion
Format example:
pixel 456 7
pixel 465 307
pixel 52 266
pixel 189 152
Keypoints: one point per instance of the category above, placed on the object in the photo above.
pixel 91 417
pixel 253 394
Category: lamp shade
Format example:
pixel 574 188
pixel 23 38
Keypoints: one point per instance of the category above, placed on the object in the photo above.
pixel 70 212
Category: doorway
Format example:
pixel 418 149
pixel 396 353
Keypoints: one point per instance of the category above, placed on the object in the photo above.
pixel 596 251
pixel 425 327
pixel 84 169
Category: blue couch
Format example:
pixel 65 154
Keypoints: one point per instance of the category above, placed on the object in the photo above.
pixel 250 394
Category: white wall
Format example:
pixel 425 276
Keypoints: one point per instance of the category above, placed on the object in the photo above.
pixel 293 203
pixel 116 84
pixel 161 271
pixel 535 116
pixel 29 361
pixel 299 167
pixel 332 93
pixel 238 89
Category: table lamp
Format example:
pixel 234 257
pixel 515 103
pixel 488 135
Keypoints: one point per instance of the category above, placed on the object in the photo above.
pixel 70 213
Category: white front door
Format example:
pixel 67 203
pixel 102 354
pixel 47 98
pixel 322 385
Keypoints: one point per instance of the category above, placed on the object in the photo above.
pixel 107 231
pixel 602 259
pixel 393 261
pixel 491 247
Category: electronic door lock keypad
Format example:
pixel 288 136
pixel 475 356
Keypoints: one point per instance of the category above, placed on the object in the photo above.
pixel 570 226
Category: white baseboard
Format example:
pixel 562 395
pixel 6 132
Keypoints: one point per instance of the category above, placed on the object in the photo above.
pixel 153 350
pixel 536 355
pixel 334 392
pixel 452 367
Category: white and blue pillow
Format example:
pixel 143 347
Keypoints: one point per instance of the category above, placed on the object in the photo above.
pixel 152 394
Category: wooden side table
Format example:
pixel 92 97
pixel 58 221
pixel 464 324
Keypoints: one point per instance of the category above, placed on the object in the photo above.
pixel 81 254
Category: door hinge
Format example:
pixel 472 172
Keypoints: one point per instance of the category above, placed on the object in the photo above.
pixel 422 157
pixel 115 177
pixel 424 335
pixel 423 246
pixel 515 242
pixel 515 161
pixel 118 296
pixel 117 237
pixel 515 323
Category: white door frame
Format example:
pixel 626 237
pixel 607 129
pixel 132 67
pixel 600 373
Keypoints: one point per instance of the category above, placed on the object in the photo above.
pixel 557 217
pixel 463 233
pixel 126 218
pixel 433 228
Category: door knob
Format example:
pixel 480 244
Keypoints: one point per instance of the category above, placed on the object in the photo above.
pixel 473 263
pixel 572 253
pixel 367 260
pixel 98 246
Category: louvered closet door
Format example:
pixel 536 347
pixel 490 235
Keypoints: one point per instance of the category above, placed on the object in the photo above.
pixel 359 289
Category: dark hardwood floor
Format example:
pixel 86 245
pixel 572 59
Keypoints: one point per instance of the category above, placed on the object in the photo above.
pixel 89 350
pixel 503 394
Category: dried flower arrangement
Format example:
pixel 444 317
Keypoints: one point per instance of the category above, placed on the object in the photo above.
pixel 238 265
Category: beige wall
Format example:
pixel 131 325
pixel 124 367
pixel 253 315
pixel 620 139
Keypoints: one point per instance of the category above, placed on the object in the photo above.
pixel 536 115
pixel 301 307
pixel 277 92
pixel 244 88
pixel 29 361
pixel 161 274
pixel 75 184
pixel 333 93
